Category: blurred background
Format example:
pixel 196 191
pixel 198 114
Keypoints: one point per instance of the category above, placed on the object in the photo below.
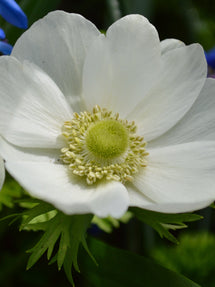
pixel 189 21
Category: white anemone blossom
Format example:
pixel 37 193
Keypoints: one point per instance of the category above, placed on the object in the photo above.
pixel 95 123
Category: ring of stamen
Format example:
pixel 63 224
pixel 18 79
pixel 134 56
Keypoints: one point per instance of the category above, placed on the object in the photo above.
pixel 101 145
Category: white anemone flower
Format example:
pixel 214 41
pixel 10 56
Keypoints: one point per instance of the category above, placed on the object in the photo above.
pixel 95 123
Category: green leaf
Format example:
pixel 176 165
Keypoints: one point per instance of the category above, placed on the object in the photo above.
pixel 46 243
pixel 10 191
pixel 69 230
pixel 109 223
pixel 78 226
pixel 63 247
pixel 163 222
pixel 120 268
pixel 32 214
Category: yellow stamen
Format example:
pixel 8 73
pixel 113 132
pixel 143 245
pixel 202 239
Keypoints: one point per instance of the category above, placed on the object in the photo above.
pixel 102 146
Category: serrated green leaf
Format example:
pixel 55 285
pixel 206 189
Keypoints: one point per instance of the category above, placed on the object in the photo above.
pixel 86 248
pixel 120 268
pixel 69 230
pixel 162 222
pixel 67 265
pixel 53 237
pixel 46 243
pixel 63 246
pixel 41 226
pixel 78 227
pixel 38 210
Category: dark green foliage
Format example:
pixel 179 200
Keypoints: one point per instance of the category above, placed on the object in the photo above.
pixel 193 257
pixel 62 233
pixel 70 231
pixel 120 268
pixel 163 222
pixel 9 192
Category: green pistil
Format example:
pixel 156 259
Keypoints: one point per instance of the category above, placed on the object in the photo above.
pixel 107 139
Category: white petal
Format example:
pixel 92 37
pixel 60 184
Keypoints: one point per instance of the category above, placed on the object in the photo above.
pixel 137 199
pixel 179 84
pixel 54 184
pixel 178 178
pixel 197 125
pixel 11 152
pixel 2 172
pixel 32 109
pixel 170 44
pixel 122 66
pixel 58 44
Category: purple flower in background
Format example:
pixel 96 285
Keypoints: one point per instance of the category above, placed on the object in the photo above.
pixel 5 48
pixel 210 57
pixel 2 34
pixel 13 14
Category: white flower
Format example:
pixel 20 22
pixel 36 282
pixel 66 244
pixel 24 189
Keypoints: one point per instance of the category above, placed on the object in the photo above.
pixel 66 93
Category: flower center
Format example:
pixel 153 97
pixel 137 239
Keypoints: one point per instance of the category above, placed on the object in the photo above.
pixel 107 139
pixel 102 146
